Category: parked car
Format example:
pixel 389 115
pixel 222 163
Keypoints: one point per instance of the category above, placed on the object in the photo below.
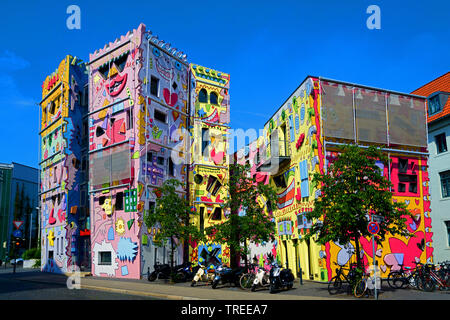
pixel 19 261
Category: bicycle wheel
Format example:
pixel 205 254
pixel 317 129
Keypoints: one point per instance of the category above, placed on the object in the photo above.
pixel 428 284
pixel 396 280
pixel 335 285
pixel 246 281
pixel 360 288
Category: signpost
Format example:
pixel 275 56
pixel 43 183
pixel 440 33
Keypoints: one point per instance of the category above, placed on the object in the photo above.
pixel 373 228
pixel 17 224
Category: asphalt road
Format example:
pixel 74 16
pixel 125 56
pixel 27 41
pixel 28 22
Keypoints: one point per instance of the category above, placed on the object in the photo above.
pixel 12 287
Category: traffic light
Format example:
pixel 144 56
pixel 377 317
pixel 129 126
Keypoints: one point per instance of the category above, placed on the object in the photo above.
pixel 18 242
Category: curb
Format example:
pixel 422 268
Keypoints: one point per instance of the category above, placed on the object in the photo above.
pixel 139 293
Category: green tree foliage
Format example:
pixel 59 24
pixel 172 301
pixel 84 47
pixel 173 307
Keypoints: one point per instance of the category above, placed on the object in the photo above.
pixel 353 187
pixel 171 216
pixel 254 199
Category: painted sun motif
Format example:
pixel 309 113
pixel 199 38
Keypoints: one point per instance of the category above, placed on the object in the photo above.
pixel 120 226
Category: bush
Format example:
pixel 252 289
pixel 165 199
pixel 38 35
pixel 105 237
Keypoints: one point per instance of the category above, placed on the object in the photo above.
pixel 37 264
pixel 34 253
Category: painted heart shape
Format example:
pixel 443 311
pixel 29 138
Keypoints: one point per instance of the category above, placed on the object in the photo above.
pixel 170 99
pixel 217 157
pixel 51 219
pixel 61 215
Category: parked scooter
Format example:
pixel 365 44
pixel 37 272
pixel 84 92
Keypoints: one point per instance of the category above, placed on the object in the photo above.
pixel 280 278
pixel 185 272
pixel 162 271
pixel 262 279
pixel 203 274
pixel 227 275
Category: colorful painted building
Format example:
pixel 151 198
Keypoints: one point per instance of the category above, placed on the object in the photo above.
pixel 208 170
pixel 65 240
pixel 305 135
pixel 144 124
pixel 438 93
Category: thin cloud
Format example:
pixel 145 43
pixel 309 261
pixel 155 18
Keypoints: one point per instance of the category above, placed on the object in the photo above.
pixel 9 61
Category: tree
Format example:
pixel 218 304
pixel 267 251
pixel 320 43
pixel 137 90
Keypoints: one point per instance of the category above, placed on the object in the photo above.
pixel 250 204
pixel 171 216
pixel 352 188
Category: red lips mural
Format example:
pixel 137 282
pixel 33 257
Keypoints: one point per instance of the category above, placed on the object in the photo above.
pixel 116 85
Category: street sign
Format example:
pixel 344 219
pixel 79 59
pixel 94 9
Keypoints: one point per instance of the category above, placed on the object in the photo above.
pixel 377 218
pixel 17 224
pixel 17 233
pixel 373 227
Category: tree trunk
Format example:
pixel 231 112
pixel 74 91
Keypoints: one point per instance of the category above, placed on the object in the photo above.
pixel 171 257
pixel 357 250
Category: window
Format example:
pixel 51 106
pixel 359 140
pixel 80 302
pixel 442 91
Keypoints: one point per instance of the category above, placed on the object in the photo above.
pixel 101 200
pixel 280 182
pixel 445 183
pixel 203 96
pixel 304 176
pixel 129 119
pixel 154 85
pixel 149 157
pixel 151 206
pixel 119 201
pixel 171 167
pixel 160 161
pixel 104 258
pixel 202 219
pixel 402 165
pixel 434 105
pixel 160 116
pixel 213 98
pixel 217 214
pixel 447 224
pixel 205 140
pixel 441 143
pixel 50 254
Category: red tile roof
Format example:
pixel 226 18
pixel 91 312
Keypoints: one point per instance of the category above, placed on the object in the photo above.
pixel 441 83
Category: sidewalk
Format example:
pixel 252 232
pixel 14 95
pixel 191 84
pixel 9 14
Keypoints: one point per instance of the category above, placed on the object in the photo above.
pixel 179 291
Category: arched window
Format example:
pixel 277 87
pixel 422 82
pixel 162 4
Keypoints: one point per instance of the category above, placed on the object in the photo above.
pixel 213 98
pixel 203 96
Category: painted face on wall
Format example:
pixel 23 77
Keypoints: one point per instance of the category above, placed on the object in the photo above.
pixel 112 72
pixel 116 85
pixel 163 65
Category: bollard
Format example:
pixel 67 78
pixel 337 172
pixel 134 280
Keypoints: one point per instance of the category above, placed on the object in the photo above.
pixel 301 276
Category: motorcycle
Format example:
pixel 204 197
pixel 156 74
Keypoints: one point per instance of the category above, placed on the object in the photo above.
pixel 280 278
pixel 185 272
pixel 202 274
pixel 227 275
pixel 262 278
pixel 162 271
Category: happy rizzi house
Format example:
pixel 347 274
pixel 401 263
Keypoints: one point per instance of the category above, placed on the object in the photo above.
pixel 305 135
pixel 65 239
pixel 146 114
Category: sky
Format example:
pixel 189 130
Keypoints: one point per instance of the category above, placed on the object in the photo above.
pixel 268 48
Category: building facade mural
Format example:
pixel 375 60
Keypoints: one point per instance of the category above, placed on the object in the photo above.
pixel 304 136
pixel 208 170
pixel 63 168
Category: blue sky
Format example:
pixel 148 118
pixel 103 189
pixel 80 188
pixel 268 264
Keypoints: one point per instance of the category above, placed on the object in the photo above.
pixel 268 48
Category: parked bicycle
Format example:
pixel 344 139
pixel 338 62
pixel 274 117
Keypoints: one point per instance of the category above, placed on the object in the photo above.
pixel 247 278
pixel 436 275
pixel 353 275
pixel 406 276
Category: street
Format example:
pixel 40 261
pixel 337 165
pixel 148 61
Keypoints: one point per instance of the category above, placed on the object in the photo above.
pixel 29 284
pixel 18 287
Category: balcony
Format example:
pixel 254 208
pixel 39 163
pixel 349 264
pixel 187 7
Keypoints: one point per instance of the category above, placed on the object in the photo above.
pixel 279 155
